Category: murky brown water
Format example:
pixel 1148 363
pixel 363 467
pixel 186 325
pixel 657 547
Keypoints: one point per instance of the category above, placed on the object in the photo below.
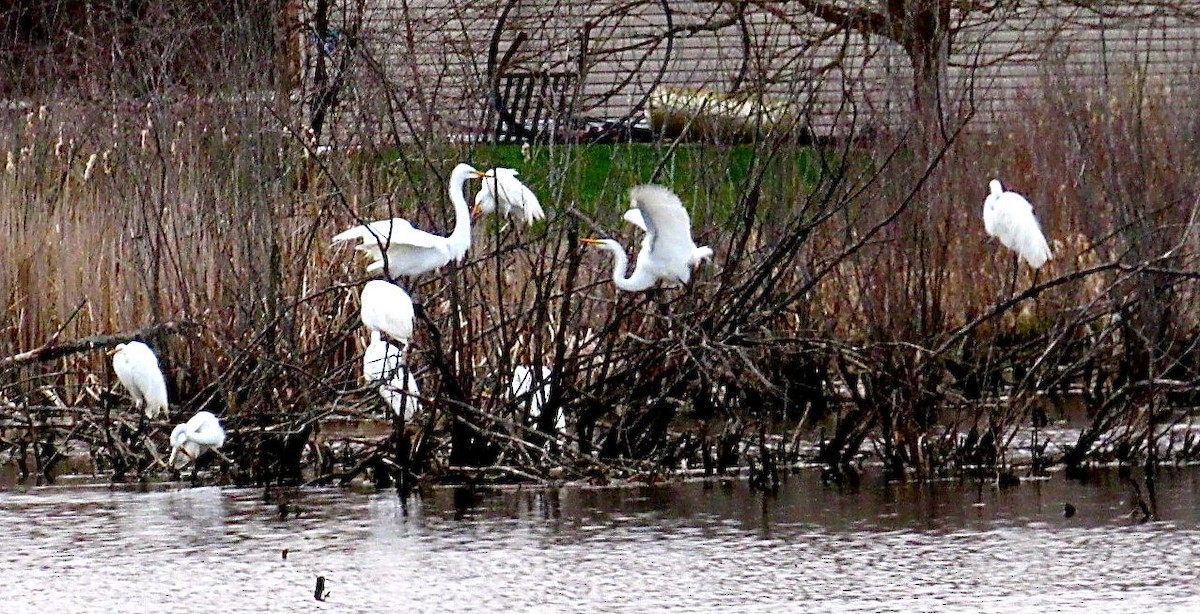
pixel 679 548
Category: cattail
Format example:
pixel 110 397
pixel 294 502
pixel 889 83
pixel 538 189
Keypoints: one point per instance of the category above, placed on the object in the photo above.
pixel 10 165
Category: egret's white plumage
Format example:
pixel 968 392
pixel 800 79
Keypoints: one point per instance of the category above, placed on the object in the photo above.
pixel 386 308
pixel 524 379
pixel 201 433
pixel 412 251
pixel 667 253
pixel 137 368
pixel 500 190
pixel 383 365
pixel 699 254
pixel 1009 217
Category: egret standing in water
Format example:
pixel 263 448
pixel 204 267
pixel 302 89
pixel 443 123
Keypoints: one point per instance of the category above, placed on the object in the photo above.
pixel 410 251
pixel 137 368
pixel 668 252
pixel 193 438
pixel 501 191
pixel 1009 217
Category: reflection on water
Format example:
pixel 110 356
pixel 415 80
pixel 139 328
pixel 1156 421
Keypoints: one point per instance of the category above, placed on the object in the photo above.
pixel 683 547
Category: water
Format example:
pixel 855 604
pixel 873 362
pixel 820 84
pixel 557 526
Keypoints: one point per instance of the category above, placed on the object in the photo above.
pixel 681 548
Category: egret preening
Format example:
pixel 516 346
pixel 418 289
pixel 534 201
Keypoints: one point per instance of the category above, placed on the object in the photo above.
pixel 410 251
pixel 195 437
pixel 1009 217
pixel 668 252
pixel 386 308
pixel 524 380
pixel 383 364
pixel 500 190
pixel 137 368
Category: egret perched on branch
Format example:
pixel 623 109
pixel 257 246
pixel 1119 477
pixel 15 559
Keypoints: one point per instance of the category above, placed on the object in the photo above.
pixel 668 252
pixel 1009 217
pixel 500 190
pixel 387 309
pixel 137 368
pixel 383 364
pixel 410 251
pixel 195 437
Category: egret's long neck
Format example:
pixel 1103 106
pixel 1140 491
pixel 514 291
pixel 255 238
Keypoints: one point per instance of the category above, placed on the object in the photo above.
pixel 637 281
pixel 460 239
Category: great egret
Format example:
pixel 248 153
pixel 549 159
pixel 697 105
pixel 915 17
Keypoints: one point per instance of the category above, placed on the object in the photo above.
pixel 198 435
pixel 137 368
pixel 1009 217
pixel 699 254
pixel 411 251
pixel 525 377
pixel 668 252
pixel 387 309
pixel 500 190
pixel 383 364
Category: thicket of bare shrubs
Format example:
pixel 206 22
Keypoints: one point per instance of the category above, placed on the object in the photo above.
pixel 856 307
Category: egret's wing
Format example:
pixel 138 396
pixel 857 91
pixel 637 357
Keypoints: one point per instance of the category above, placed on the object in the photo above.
pixel 389 232
pixel 634 216
pixel 1017 228
pixel 667 221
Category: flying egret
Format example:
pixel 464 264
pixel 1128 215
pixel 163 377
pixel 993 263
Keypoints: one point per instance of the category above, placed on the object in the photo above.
pixel 699 254
pixel 411 251
pixel 387 309
pixel 193 438
pixel 1009 217
pixel 137 368
pixel 525 377
pixel 668 252
pixel 500 190
pixel 383 364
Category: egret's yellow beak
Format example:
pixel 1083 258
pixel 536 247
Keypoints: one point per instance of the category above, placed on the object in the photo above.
pixel 591 241
pixel 480 174
pixel 113 351
pixel 475 211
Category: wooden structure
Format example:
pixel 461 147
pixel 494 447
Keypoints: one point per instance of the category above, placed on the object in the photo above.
pixel 504 69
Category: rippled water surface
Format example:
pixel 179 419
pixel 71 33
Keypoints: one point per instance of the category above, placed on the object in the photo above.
pixel 681 547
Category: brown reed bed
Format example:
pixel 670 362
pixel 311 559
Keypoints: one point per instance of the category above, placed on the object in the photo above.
pixel 855 305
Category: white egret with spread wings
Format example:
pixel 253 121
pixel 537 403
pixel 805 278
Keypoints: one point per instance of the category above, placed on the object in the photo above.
pixel 401 249
pixel 668 252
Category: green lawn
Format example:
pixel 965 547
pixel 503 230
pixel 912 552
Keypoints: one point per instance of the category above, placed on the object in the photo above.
pixel 596 178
